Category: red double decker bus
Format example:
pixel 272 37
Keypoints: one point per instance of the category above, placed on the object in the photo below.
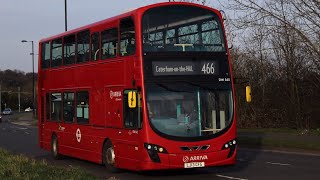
pixel 149 89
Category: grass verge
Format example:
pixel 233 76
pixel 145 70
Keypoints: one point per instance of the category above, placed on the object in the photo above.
pixel 22 167
pixel 278 143
pixel 315 132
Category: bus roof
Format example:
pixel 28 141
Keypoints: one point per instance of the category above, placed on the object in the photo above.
pixel 140 10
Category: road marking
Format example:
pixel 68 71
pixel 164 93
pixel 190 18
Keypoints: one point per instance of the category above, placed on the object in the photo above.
pixel 26 133
pixel 229 177
pixel 21 128
pixel 281 164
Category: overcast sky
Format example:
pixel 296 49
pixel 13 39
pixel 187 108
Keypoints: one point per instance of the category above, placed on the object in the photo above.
pixel 37 19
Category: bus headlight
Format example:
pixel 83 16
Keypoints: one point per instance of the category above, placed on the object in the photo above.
pixel 153 151
pixel 230 144
pixel 156 148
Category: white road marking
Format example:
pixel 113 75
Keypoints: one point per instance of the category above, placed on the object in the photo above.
pixel 229 177
pixel 26 133
pixel 21 128
pixel 281 164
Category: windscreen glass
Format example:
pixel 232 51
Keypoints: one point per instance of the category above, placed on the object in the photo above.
pixel 182 29
pixel 189 109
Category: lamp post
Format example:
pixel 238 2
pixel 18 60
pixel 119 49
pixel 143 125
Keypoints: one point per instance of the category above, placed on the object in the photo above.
pixel 33 89
pixel 65 16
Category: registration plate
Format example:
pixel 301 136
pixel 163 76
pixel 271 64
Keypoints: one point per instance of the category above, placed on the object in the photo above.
pixel 194 164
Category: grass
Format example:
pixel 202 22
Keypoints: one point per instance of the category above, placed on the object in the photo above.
pixel 315 132
pixel 22 167
pixel 280 138
pixel 278 143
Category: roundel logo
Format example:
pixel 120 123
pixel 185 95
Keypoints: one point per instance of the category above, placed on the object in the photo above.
pixel 185 159
pixel 78 135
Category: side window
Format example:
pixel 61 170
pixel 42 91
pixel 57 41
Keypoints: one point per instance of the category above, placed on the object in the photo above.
pixel 109 43
pixel 127 36
pixel 45 55
pixel 56 109
pixel 83 42
pixel 95 46
pixel 68 107
pixel 56 50
pixel 69 52
pixel 47 106
pixel 132 116
pixel 82 107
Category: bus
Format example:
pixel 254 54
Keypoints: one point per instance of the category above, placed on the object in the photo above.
pixel 149 89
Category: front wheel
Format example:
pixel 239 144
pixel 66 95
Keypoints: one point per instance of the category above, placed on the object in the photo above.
pixel 55 147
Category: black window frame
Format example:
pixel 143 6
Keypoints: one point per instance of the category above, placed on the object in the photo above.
pixel 48 107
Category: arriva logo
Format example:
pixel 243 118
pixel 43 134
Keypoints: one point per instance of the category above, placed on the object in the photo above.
pixel 194 158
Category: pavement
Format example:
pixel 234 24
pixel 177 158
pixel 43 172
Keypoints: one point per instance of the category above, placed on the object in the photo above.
pixel 251 163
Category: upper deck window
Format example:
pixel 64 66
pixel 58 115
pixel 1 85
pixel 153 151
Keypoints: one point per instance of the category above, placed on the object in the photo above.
pixel 45 55
pixel 109 43
pixel 127 36
pixel 83 41
pixel 69 49
pixel 95 46
pixel 182 28
pixel 56 51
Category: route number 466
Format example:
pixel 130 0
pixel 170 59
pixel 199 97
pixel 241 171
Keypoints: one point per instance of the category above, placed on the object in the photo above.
pixel 208 68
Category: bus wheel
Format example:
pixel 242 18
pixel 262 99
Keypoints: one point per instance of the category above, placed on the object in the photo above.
pixel 108 156
pixel 55 147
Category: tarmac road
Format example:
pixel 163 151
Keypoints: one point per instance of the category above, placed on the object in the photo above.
pixel 251 164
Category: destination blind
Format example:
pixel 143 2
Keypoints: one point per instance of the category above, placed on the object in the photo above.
pixel 176 68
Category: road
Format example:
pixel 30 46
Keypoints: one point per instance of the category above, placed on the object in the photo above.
pixel 251 164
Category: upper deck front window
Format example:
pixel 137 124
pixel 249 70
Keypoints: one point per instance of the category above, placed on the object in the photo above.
pixel 182 28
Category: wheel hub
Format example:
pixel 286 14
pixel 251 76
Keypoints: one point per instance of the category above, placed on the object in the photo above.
pixel 110 156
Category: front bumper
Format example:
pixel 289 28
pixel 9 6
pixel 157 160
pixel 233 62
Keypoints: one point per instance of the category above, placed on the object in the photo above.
pixel 177 161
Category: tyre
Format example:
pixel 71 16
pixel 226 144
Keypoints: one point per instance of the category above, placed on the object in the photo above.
pixel 108 157
pixel 55 147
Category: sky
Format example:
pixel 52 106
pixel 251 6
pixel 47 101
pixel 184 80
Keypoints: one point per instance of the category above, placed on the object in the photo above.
pixel 33 20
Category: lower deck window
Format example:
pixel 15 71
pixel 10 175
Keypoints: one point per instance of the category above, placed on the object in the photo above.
pixel 56 107
pixel 82 107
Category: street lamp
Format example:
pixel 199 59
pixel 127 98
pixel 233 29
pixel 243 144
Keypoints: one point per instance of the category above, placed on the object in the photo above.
pixel 33 89
pixel 65 16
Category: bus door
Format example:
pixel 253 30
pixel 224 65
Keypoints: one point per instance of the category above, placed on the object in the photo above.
pixel 129 141
pixel 42 117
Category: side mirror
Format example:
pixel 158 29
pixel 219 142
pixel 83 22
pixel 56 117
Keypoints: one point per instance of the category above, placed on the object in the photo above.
pixel 248 94
pixel 132 99
pixel 224 16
